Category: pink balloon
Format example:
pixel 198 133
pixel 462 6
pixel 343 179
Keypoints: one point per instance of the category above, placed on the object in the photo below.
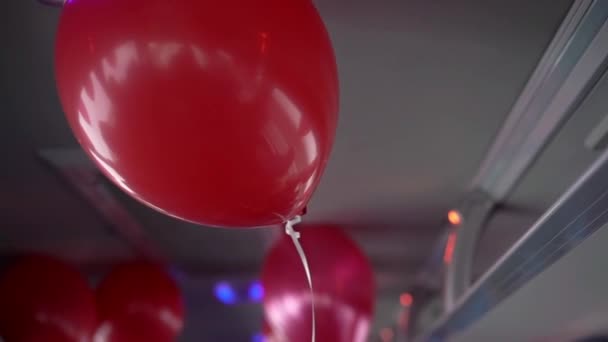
pixel 343 288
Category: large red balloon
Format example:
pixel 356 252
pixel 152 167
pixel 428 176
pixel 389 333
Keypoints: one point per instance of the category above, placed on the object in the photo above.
pixel 139 302
pixel 343 288
pixel 217 112
pixel 42 299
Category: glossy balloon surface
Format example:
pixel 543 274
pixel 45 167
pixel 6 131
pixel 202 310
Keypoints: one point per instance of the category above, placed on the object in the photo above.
pixel 137 295
pixel 343 286
pixel 44 299
pixel 221 113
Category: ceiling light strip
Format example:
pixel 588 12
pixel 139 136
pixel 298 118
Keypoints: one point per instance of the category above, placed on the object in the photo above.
pixel 575 216
pixel 544 104
pixel 561 79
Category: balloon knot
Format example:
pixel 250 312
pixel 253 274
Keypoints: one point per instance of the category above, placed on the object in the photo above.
pixel 289 230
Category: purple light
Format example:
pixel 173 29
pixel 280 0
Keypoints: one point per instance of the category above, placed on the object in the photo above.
pixel 225 293
pixel 258 338
pixel 256 292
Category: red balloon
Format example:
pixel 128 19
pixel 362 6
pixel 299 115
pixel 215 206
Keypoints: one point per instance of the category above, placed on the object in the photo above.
pixel 343 288
pixel 43 299
pixel 221 113
pixel 46 333
pixel 139 302
pixel 135 328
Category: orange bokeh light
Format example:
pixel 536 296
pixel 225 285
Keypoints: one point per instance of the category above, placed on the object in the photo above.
pixel 406 299
pixel 454 217
pixel 449 248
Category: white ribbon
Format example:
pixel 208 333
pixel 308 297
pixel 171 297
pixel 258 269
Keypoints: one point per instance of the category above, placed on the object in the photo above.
pixel 295 237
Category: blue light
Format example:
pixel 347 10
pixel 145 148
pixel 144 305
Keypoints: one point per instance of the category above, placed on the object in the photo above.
pixel 256 292
pixel 225 293
pixel 258 338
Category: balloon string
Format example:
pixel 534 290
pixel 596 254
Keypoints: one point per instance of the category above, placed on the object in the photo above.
pixel 295 237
